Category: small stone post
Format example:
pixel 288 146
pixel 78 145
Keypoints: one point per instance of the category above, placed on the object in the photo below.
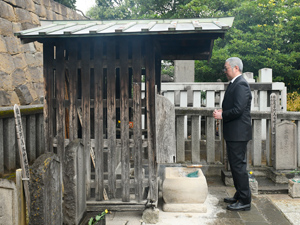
pixel 46 190
pixel 273 104
pixel 74 183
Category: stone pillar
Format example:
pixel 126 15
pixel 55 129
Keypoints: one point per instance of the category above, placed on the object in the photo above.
pixel 74 183
pixel 8 202
pixel 249 77
pixel 46 190
pixel 264 75
pixel 273 129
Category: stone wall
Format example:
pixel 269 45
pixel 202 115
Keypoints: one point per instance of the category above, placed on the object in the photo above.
pixel 21 65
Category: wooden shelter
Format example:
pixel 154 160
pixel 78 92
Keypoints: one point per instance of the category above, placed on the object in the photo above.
pixel 93 74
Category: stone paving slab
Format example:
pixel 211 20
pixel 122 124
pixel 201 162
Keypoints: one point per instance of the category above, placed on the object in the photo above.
pixel 265 210
pixel 289 206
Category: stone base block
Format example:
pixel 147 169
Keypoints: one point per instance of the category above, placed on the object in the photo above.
pixel 253 186
pixel 227 178
pixel 294 188
pixel 191 208
pixel 151 216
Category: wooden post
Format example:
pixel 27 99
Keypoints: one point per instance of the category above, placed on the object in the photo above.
pixel 124 109
pixel 23 155
pixel 137 120
pixel 111 116
pixel 21 200
pixel 48 50
pixel 98 110
pixel 150 104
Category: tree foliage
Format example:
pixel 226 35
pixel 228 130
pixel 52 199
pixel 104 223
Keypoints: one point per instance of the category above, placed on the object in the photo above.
pixel 265 33
pixel 68 3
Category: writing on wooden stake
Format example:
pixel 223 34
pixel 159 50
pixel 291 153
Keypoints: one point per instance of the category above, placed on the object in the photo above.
pixel 23 154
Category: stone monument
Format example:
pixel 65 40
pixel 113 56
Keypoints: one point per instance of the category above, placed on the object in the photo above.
pixel 285 154
pixel 46 190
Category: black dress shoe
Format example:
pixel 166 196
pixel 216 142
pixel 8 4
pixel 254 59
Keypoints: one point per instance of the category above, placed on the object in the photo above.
pixel 230 200
pixel 238 206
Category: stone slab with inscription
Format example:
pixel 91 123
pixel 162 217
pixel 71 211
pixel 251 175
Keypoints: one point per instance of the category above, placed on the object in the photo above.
pixel 285 155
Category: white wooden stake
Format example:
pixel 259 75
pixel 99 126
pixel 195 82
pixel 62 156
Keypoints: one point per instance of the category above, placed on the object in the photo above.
pixel 23 155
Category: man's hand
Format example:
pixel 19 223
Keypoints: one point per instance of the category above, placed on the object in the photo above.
pixel 217 114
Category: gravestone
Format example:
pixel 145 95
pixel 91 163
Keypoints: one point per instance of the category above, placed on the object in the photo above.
pixel 74 183
pixel 8 202
pixel 165 130
pixel 285 154
pixel 184 70
pixel 46 190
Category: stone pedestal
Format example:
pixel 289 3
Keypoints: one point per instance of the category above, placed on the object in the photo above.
pixel 182 193
pixel 151 216
pixel 74 183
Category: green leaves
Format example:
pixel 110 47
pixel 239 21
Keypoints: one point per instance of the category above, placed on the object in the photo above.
pixel 265 33
pixel 68 3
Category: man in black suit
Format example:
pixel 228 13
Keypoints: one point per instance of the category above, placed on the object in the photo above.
pixel 237 131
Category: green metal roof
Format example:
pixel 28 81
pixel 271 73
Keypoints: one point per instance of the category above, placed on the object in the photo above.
pixel 91 28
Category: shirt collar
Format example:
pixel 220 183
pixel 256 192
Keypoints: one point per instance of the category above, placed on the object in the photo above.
pixel 235 78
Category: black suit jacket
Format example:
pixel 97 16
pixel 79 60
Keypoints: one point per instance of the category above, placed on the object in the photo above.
pixel 236 111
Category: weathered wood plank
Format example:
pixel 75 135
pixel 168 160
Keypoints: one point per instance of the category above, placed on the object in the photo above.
pixel 10 144
pixel 60 96
pixel 137 120
pixel 116 205
pixel 124 110
pixel 31 138
pixel 86 125
pixel 72 66
pixel 48 51
pixel 158 70
pixel 1 148
pixel 40 140
pixel 106 143
pixel 150 103
pixel 111 116
pixel 98 110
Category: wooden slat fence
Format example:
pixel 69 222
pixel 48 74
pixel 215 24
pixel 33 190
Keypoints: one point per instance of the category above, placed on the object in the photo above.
pixel 93 92
pixel 33 129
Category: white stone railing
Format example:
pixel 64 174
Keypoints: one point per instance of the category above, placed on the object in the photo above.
pixel 215 145
pixel 212 94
